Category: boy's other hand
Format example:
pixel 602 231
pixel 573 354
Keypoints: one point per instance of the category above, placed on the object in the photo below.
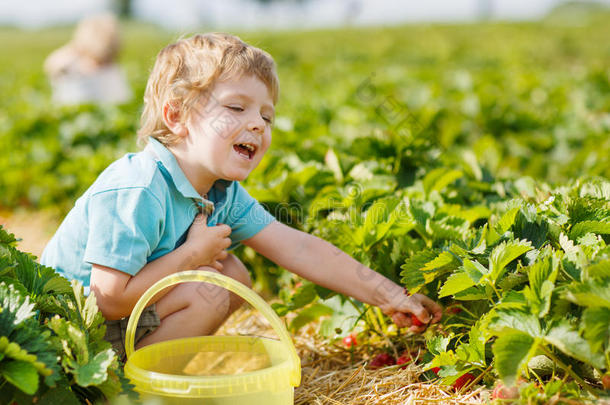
pixel 207 244
pixel 403 309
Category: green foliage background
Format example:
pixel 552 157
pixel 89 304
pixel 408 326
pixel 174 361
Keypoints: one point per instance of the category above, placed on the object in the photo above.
pixel 526 99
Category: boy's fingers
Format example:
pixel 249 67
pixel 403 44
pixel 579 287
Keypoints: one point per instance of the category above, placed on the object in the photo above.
pixel 437 314
pixel 201 219
pixel 223 230
pixel 225 243
pixel 418 329
pixel 423 316
pixel 222 255
pixel 420 312
pixel 401 320
pixel 217 265
pixel 435 309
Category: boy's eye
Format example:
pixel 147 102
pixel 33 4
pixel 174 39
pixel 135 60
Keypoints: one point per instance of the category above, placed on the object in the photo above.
pixel 269 120
pixel 235 108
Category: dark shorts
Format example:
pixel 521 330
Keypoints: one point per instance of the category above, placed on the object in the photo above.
pixel 117 329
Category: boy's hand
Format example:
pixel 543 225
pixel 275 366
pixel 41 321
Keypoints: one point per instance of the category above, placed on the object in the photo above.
pixel 413 311
pixel 208 244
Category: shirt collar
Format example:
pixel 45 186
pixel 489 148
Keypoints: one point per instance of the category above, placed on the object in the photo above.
pixel 168 160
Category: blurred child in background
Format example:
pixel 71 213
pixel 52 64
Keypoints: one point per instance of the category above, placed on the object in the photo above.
pixel 84 70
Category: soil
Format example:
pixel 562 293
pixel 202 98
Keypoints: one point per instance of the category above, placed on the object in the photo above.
pixel 33 229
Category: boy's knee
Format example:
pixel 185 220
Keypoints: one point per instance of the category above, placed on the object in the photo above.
pixel 234 268
pixel 210 296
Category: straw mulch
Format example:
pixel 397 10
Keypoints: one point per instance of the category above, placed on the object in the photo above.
pixel 331 375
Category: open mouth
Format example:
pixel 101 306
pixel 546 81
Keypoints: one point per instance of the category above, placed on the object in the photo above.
pixel 245 150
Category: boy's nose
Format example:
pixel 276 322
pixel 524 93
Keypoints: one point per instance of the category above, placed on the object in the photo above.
pixel 256 124
pixel 253 127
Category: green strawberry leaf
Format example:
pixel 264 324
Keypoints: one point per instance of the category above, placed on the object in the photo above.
pixel 515 320
pixel 471 294
pixel 59 395
pixel 503 254
pixel 438 344
pixel 95 371
pixel 303 296
pixel 590 293
pixel 475 270
pixel 438 179
pixel 21 374
pixel 566 338
pixel 512 351
pixel 584 227
pixel 596 328
pixel 445 261
pixel 412 276
pixel 599 270
pixel 309 314
pixel 14 309
pixel 506 221
pixel 456 283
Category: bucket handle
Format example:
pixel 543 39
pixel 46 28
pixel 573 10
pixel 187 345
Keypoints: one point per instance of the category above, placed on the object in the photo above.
pixel 230 284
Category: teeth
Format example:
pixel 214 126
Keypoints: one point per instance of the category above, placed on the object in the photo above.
pixel 247 146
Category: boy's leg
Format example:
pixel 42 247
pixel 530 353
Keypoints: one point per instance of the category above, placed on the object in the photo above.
pixel 196 308
pixel 234 268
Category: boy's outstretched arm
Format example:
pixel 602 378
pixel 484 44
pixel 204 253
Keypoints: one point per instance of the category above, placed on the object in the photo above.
pixel 324 264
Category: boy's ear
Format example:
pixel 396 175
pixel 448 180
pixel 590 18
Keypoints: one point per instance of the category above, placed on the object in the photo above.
pixel 171 118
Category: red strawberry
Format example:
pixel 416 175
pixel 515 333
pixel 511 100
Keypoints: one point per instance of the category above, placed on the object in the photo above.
pixel 406 358
pixel 463 380
pixel 503 392
pixel 415 321
pixel 454 310
pixel 606 381
pixel 435 370
pixel 382 360
pixel 350 340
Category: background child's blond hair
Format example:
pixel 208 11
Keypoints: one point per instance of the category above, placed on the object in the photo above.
pixel 186 70
pixel 98 38
pixel 95 43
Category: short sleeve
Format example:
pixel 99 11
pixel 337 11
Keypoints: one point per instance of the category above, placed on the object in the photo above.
pixel 125 227
pixel 246 216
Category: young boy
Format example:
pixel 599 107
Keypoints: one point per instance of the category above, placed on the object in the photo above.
pixel 177 205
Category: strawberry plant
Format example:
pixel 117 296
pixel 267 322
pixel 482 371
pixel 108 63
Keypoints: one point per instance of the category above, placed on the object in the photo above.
pixel 52 347
pixel 532 281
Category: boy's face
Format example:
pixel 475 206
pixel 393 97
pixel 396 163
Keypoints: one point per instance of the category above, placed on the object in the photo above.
pixel 230 131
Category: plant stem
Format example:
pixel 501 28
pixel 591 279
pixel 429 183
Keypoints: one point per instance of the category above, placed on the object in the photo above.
pixel 496 291
pixel 571 372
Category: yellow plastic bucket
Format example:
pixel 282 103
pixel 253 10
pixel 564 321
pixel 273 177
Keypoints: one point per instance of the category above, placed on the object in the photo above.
pixel 167 372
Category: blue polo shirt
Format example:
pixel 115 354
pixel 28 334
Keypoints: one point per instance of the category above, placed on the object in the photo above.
pixel 139 209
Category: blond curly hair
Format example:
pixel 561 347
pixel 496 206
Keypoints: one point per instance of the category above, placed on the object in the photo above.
pixel 186 70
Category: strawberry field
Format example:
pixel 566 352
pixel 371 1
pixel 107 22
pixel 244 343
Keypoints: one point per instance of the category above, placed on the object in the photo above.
pixel 470 163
